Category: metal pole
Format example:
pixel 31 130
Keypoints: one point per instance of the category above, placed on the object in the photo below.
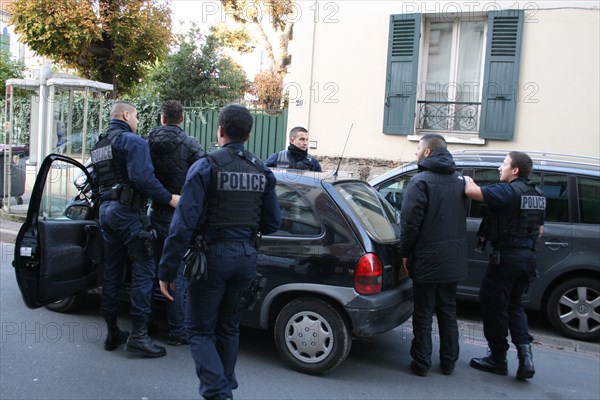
pixel 101 95
pixel 84 130
pixel 8 170
pixel 69 139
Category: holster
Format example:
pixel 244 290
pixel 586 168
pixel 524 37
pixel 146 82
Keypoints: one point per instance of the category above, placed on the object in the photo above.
pixel 143 246
pixel 251 296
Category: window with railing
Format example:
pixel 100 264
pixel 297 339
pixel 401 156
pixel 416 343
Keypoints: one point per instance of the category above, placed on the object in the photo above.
pixel 453 71
pixel 448 116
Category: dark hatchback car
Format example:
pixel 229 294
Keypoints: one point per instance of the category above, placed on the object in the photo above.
pixel 567 290
pixel 333 269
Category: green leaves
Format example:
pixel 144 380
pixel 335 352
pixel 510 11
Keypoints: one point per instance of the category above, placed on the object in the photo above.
pixel 9 69
pixel 196 72
pixel 107 40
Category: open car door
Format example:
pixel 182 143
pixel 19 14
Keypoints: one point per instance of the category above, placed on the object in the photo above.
pixel 58 251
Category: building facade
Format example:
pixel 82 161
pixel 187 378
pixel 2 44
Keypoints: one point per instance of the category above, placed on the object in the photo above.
pixel 486 75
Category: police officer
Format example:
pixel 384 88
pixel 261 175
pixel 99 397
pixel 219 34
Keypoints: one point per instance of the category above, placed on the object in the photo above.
pixel 125 176
pixel 229 198
pixel 296 155
pixel 515 224
pixel 173 152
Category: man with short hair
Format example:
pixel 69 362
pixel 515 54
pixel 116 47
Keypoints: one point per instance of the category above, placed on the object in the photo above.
pixel 296 155
pixel 516 222
pixel 125 176
pixel 228 199
pixel 434 246
pixel 173 152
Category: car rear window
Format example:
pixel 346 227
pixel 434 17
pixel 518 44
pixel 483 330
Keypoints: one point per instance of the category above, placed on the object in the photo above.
pixel 379 218
pixel 297 216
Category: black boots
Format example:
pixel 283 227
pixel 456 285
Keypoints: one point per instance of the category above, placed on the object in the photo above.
pixel 139 342
pixel 494 362
pixel 115 337
pixel 526 369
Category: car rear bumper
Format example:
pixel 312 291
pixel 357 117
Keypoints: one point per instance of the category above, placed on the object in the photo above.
pixel 382 312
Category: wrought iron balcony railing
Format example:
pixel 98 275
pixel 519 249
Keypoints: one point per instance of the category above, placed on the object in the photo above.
pixel 449 116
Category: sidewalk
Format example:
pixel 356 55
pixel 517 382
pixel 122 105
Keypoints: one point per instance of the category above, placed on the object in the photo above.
pixel 9 226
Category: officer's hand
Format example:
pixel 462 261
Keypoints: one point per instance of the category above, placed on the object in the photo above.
pixel 174 200
pixel 164 288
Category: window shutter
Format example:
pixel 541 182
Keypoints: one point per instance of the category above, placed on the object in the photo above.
pixel 501 74
pixel 401 77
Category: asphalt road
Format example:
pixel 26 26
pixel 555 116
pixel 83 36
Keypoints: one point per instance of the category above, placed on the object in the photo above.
pixel 46 355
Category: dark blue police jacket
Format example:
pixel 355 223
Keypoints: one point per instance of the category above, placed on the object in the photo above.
pixel 190 210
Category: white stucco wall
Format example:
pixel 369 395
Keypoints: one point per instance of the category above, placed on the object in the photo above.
pixel 338 75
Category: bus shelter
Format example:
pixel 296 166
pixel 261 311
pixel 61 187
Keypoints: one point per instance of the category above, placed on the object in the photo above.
pixel 65 116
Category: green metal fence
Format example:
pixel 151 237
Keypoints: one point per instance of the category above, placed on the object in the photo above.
pixel 269 132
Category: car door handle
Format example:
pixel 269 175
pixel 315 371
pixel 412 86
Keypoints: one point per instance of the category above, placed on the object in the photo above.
pixel 556 244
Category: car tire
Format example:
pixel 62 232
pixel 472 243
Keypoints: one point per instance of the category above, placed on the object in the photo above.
pixel 67 304
pixel 328 343
pixel 574 308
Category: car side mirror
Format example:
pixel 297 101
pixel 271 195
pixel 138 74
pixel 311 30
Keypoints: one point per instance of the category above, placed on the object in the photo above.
pixel 78 211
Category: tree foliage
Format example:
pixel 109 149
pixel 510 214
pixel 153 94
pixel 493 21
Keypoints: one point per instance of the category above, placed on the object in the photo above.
pixel 268 87
pixel 196 72
pixel 9 69
pixel 110 41
pixel 265 16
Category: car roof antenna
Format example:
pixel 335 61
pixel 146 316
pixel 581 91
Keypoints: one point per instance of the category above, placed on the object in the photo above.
pixel 343 151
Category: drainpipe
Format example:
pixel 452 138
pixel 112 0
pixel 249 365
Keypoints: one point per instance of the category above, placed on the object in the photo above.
pixel 312 63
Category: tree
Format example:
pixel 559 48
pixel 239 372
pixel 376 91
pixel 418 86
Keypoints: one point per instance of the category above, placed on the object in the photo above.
pixel 196 72
pixel 262 15
pixel 111 41
pixel 268 87
pixel 9 69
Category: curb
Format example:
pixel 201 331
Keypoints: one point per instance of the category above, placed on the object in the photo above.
pixel 12 217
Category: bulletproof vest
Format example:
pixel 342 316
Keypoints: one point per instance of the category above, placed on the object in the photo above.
pixel 524 222
pixel 286 160
pixel 238 183
pixel 109 166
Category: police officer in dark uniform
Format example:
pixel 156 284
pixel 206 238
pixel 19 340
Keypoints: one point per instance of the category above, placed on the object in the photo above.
pixel 228 198
pixel 173 152
pixel 296 155
pixel 125 176
pixel 515 223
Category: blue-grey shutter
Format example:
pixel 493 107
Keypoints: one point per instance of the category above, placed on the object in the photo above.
pixel 501 74
pixel 401 77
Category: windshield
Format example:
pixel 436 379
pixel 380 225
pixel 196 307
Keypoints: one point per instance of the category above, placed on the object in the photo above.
pixel 379 218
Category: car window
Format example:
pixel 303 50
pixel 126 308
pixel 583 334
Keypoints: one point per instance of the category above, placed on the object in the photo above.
pixel 483 177
pixel 555 188
pixel 59 190
pixel 378 217
pixel 393 190
pixel 297 216
pixel 588 190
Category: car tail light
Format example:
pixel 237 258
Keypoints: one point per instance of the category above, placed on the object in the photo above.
pixel 369 274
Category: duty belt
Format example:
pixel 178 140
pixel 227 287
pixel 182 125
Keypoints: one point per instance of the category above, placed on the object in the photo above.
pixel 125 194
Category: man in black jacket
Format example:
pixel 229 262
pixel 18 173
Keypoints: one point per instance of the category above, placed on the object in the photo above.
pixel 173 152
pixel 434 247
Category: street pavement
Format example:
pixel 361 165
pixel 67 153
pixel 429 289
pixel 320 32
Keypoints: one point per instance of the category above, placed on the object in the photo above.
pixel 9 227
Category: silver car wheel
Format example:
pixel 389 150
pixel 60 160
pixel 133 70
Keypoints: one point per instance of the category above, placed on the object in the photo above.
pixel 309 337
